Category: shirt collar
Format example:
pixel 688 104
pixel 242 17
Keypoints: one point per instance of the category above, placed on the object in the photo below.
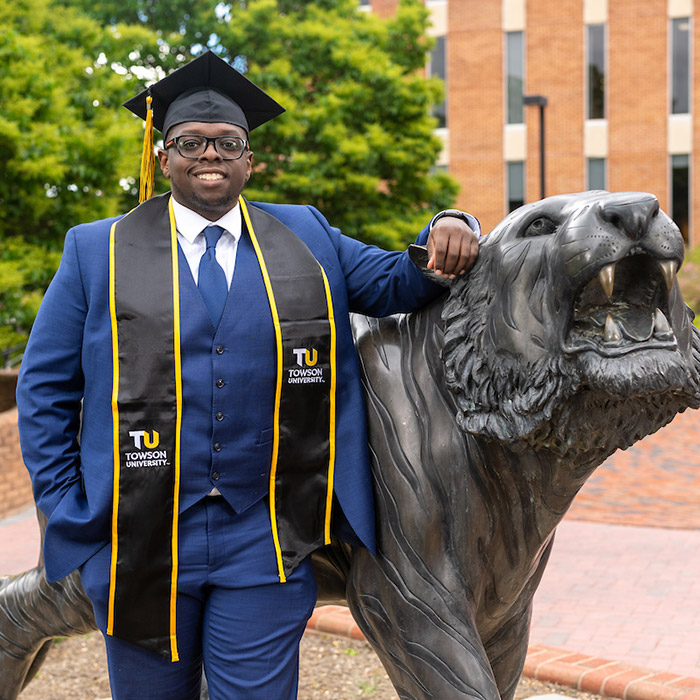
pixel 190 224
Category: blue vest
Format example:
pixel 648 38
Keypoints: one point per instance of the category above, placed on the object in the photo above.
pixel 227 410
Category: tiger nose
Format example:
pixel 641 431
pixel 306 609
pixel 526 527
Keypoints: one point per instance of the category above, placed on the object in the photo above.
pixel 631 212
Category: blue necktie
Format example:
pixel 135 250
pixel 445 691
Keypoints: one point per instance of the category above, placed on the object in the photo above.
pixel 212 279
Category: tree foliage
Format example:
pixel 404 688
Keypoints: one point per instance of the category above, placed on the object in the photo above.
pixel 689 280
pixel 62 138
pixel 63 145
pixel 25 271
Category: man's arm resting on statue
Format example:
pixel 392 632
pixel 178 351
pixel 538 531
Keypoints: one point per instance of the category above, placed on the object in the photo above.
pixel 380 282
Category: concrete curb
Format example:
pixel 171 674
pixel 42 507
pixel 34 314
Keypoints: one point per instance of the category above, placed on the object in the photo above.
pixel 580 671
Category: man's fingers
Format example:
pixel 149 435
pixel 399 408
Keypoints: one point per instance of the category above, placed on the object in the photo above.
pixel 438 250
pixel 452 249
pixel 469 253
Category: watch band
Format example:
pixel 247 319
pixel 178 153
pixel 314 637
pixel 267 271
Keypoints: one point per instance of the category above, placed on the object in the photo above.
pixel 456 213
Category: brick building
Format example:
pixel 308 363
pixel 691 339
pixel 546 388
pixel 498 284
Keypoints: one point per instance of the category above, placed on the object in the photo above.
pixel 618 77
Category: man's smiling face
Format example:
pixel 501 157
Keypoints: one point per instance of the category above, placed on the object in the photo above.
pixel 208 184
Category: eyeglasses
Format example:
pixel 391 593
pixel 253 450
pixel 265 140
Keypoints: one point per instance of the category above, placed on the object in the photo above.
pixel 195 145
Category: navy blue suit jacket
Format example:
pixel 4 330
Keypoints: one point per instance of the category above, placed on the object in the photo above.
pixel 68 361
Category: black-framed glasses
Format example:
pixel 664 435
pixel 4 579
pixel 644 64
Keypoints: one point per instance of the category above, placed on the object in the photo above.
pixel 195 145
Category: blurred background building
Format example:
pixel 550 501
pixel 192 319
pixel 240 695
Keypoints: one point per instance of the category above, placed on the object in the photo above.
pixel 618 79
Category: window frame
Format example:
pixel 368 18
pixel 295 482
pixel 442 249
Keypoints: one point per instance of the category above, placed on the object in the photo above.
pixel 673 82
pixel 684 222
pixel 514 107
pixel 591 112
pixel 510 202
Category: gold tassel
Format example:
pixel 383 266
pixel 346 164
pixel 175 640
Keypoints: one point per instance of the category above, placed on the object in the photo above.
pixel 148 162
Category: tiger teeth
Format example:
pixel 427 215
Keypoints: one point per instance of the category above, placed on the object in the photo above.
pixel 613 334
pixel 606 277
pixel 669 268
pixel 661 324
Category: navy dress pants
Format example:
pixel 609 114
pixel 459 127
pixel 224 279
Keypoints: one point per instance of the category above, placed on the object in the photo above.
pixel 234 618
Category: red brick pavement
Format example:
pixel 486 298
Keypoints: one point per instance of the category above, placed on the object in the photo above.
pixel 19 542
pixel 656 483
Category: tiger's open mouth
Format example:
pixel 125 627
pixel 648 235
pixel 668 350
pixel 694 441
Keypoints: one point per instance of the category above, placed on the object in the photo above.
pixel 624 308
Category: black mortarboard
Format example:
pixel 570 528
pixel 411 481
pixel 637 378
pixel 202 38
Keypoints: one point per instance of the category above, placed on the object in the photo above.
pixel 206 89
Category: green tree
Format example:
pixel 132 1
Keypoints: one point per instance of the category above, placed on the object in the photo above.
pixel 25 271
pixel 689 280
pixel 65 146
pixel 62 137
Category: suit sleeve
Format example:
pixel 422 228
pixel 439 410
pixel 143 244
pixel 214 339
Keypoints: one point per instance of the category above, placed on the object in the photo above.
pixel 50 388
pixel 380 282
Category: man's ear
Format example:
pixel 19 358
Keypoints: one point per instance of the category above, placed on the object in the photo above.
pixel 249 164
pixel 419 257
pixel 164 165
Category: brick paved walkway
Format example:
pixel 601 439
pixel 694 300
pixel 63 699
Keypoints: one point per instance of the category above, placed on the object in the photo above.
pixel 656 483
pixel 626 593
pixel 631 593
pixel 19 542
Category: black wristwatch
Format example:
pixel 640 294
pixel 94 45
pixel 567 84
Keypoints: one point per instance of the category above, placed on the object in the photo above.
pixel 456 213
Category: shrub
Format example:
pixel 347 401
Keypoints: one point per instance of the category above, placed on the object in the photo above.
pixel 689 280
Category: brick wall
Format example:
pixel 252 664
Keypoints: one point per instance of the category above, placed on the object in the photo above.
pixel 8 385
pixel 637 94
pixel 384 8
pixel 475 107
pixel 554 68
pixel 15 487
pixel 638 97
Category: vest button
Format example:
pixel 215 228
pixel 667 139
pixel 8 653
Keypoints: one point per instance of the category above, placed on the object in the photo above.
pixel 215 476
pixel 217 447
pixel 219 416
pixel 219 349
pixel 219 383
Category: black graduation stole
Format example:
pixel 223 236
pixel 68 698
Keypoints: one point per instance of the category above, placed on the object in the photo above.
pixel 147 411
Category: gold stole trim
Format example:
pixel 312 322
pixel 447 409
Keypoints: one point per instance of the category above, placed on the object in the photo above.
pixel 115 433
pixel 278 396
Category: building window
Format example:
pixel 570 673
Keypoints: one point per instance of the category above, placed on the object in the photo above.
pixel 438 70
pixel 595 59
pixel 516 184
pixel 515 67
pixel 680 65
pixel 680 192
pixel 595 174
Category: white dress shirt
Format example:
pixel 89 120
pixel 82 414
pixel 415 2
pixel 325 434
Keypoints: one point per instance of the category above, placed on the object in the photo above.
pixel 190 225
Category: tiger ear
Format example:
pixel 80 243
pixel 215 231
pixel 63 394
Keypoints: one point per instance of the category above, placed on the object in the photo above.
pixel 419 257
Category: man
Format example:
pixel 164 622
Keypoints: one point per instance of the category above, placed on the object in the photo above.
pixel 222 438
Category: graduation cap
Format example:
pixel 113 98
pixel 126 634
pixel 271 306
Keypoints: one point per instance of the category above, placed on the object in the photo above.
pixel 206 89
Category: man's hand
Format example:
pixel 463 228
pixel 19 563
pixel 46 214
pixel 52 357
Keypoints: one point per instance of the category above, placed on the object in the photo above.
pixel 452 247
